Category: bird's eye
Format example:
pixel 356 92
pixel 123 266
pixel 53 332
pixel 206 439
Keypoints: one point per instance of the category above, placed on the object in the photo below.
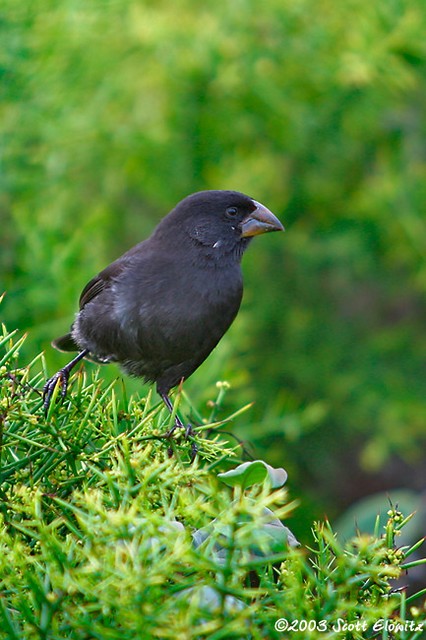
pixel 231 212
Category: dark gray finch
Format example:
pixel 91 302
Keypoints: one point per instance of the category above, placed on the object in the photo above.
pixel 162 307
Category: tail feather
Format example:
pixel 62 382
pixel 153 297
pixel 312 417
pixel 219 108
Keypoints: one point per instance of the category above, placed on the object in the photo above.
pixel 65 343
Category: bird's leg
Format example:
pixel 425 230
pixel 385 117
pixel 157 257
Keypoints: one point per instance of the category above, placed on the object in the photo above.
pixel 178 422
pixel 61 378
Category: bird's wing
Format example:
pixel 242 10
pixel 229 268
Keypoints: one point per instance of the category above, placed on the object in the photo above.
pixel 100 282
pixel 104 279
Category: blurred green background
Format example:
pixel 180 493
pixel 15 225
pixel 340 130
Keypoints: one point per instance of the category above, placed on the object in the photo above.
pixel 112 111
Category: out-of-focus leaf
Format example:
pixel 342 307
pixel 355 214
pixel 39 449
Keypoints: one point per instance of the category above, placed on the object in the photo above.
pixel 255 472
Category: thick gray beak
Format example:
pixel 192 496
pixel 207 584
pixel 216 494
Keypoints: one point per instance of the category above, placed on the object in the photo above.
pixel 261 220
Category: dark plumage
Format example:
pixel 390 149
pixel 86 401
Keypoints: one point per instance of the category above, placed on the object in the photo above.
pixel 161 308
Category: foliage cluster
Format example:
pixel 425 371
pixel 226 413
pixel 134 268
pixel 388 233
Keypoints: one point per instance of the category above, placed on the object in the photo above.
pixel 112 111
pixel 106 533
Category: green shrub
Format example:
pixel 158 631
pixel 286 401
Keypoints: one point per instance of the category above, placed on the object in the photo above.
pixel 109 531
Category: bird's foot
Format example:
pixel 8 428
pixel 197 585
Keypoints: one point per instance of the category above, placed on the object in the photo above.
pixel 61 379
pixel 189 430
pixel 189 434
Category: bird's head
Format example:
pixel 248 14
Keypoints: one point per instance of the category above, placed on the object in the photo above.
pixel 221 221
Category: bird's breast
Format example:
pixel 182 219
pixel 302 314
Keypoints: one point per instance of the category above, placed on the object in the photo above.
pixel 178 310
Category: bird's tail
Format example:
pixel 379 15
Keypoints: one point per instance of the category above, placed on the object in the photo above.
pixel 65 343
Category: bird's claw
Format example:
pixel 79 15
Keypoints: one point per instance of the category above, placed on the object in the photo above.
pixel 170 432
pixel 60 378
pixel 194 450
pixel 189 433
